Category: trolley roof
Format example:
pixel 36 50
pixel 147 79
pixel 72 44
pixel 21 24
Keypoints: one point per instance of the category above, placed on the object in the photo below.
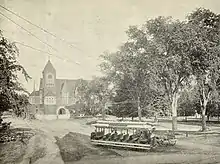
pixel 123 125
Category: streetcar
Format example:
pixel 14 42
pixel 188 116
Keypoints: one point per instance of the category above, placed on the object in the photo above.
pixel 134 135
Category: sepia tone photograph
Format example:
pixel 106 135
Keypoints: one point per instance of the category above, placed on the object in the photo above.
pixel 109 82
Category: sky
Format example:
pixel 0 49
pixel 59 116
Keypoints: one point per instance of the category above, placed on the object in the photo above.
pixel 92 26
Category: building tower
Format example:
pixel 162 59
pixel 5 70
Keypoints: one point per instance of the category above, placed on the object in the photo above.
pixel 49 89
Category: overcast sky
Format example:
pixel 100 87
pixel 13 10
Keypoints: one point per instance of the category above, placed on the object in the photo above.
pixel 92 25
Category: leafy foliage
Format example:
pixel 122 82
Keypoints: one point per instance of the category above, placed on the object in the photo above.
pixel 92 95
pixel 204 55
pixel 161 60
pixel 10 88
pixel 130 69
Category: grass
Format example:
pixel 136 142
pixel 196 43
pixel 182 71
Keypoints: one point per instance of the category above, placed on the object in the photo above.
pixel 198 122
pixel 12 152
pixel 209 139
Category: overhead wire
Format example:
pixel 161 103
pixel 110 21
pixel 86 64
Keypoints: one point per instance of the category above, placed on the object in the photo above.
pixel 72 45
pixel 30 33
pixel 33 35
pixel 51 54
pixel 41 28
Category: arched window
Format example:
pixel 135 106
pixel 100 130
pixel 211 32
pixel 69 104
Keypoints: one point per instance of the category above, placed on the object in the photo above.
pixel 49 76
pixel 50 80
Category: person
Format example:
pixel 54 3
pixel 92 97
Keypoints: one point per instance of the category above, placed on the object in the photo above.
pixel 155 118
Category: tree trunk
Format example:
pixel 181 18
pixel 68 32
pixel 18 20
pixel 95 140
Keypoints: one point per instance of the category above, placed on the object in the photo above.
pixel 218 111
pixel 139 109
pixel 103 113
pixel 204 128
pixel 174 111
pixel 218 115
pixel 208 117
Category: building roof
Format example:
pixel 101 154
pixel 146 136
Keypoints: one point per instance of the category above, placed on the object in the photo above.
pixel 49 66
pixel 66 85
pixel 50 94
pixel 35 93
pixel 62 85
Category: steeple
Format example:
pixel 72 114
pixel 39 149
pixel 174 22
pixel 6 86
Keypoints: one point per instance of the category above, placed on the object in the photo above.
pixel 49 67
pixel 49 76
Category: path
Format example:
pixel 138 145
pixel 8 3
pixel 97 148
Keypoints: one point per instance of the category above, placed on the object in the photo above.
pixel 194 153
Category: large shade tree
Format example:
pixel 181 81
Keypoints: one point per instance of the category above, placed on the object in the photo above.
pixel 128 69
pixel 92 95
pixel 166 55
pixel 169 61
pixel 156 57
pixel 98 95
pixel 10 88
pixel 205 55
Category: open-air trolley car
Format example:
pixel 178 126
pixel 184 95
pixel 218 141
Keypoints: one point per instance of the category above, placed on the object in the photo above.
pixel 134 135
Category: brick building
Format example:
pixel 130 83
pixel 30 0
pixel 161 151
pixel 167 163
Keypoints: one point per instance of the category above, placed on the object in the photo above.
pixel 54 95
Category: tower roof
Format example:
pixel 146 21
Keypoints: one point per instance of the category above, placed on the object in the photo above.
pixel 49 67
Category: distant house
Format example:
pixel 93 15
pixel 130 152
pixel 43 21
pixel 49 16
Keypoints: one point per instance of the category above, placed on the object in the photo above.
pixel 54 95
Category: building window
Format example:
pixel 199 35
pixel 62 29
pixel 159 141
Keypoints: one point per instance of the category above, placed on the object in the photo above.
pixel 49 76
pixel 50 81
pixel 50 100
pixel 50 84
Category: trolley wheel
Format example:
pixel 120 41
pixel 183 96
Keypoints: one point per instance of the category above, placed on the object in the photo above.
pixel 154 143
pixel 172 142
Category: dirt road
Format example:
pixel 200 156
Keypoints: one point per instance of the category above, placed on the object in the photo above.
pixel 189 150
pixel 158 159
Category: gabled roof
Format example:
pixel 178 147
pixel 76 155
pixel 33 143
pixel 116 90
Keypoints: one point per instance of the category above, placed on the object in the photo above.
pixel 49 67
pixel 50 94
pixel 66 85
pixel 35 93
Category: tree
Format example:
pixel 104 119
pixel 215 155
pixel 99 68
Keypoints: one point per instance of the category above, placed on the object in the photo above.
pixel 204 54
pixel 21 103
pixel 10 88
pixel 189 103
pixel 154 58
pixel 128 69
pixel 92 95
pixel 169 62
pixel 82 95
pixel 166 56
pixel 99 94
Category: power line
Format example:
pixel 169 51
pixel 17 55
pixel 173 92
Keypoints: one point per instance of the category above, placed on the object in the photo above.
pixel 36 49
pixel 68 60
pixel 30 33
pixel 39 50
pixel 41 28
